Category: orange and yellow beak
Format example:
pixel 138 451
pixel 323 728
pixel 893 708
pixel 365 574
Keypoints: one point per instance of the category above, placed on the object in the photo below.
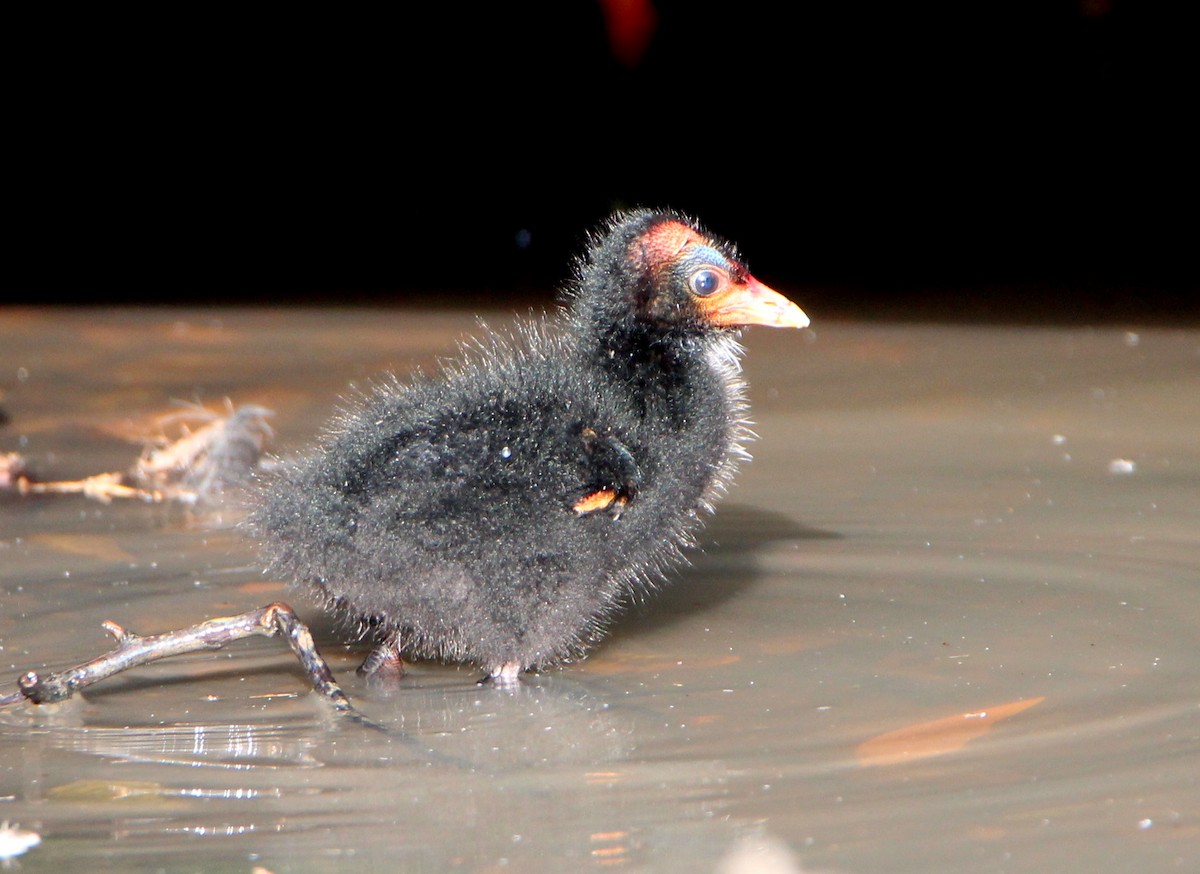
pixel 751 303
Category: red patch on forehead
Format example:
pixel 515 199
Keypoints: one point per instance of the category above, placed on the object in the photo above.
pixel 661 245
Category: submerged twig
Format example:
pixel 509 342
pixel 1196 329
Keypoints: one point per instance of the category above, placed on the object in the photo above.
pixel 102 487
pixel 12 469
pixel 197 466
pixel 133 650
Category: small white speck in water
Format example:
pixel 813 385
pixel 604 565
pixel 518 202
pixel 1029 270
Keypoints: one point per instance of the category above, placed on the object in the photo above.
pixel 1121 466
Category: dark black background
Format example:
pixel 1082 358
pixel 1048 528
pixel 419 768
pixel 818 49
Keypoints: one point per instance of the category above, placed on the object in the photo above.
pixel 973 160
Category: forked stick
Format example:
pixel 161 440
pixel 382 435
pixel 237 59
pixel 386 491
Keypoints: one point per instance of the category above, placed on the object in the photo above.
pixel 133 650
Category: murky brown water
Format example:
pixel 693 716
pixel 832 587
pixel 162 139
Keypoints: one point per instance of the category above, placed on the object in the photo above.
pixel 947 621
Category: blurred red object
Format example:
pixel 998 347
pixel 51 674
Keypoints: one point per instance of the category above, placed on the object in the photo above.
pixel 631 25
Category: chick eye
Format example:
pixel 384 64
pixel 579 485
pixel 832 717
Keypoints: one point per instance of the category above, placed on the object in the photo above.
pixel 704 281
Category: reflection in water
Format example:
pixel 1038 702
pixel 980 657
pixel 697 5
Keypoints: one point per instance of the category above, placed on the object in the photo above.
pixel 234 747
pixel 931 527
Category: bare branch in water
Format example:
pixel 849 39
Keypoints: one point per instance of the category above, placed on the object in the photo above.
pixel 132 650
pixel 102 487
pixel 12 468
pixel 197 466
pixel 200 464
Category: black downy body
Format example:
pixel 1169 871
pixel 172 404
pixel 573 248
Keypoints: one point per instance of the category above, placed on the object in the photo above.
pixel 500 512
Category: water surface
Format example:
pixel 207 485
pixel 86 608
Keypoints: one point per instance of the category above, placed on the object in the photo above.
pixel 946 621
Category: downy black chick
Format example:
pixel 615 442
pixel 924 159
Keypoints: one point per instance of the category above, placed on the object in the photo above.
pixel 500 512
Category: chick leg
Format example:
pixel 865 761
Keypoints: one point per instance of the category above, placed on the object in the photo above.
pixel 503 676
pixel 384 662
